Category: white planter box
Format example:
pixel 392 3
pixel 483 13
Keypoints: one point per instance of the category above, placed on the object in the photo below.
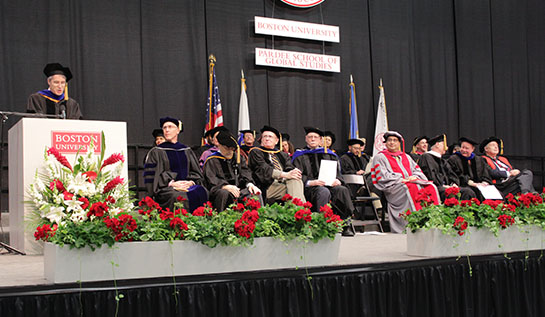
pixel 161 258
pixel 475 241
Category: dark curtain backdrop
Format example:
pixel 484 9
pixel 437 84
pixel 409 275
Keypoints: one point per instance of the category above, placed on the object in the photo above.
pixel 464 67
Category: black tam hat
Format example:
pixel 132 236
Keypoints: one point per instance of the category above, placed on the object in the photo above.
pixel 331 135
pixel 270 129
pixel 177 122
pixel 468 140
pixel 285 136
pixel 437 139
pixel 157 132
pixel 491 139
pixel 57 69
pixel 247 131
pixel 315 130
pixel 355 141
pixel 418 139
pixel 227 139
pixel 213 131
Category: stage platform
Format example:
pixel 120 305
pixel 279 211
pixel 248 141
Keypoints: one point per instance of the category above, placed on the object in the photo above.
pixel 372 277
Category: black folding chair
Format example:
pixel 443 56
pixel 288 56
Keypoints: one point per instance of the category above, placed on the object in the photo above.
pixel 363 198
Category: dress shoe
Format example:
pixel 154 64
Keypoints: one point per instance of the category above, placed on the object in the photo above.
pixel 348 231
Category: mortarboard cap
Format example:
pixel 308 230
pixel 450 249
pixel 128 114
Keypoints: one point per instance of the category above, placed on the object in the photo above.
pixel 225 138
pixel 271 129
pixel 157 132
pixel 392 133
pixel 177 122
pixel 57 69
pixel 468 140
pixel 485 142
pixel 314 130
pixel 355 141
pixel 331 135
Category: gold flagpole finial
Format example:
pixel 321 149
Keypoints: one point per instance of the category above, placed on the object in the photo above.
pixel 351 78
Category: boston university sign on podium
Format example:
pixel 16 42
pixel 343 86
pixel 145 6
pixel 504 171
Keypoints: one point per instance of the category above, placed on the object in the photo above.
pixel 28 140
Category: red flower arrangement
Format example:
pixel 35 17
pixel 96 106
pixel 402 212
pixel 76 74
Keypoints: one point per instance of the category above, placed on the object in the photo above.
pixel 98 209
pixel 45 232
pixel 452 191
pixel 460 224
pixel 505 220
pixel 60 158
pixel 112 184
pixel 114 158
pixel 121 226
pixel 303 214
pixel 451 202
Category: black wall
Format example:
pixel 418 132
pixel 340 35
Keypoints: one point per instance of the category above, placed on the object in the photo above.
pixel 464 67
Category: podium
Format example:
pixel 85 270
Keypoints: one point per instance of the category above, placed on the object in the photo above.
pixel 27 142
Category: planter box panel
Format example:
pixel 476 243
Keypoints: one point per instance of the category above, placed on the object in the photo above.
pixel 163 259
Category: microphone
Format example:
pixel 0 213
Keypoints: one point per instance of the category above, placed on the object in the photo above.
pixel 62 108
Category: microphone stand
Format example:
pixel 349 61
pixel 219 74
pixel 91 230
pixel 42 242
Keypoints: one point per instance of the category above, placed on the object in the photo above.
pixel 4 117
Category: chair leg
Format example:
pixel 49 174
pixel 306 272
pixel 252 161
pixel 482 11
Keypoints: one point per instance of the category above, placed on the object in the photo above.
pixel 377 217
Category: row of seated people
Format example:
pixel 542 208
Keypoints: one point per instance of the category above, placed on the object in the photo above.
pixel 400 177
pixel 172 171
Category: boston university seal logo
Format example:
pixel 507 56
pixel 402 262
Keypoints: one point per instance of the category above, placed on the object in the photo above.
pixel 303 3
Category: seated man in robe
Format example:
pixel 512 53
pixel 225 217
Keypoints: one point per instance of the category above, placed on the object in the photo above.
pixel 54 100
pixel 212 144
pixel 273 170
pixel 309 160
pixel 506 178
pixel 420 146
pixel 171 170
pixel 436 168
pixel 226 174
pixel 354 161
pixel 396 174
pixel 471 169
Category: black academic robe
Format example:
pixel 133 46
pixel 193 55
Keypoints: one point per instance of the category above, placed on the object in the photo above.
pixel 474 169
pixel 351 163
pixel 173 162
pixel 262 167
pixel 308 161
pixel 220 171
pixel 39 104
pixel 440 172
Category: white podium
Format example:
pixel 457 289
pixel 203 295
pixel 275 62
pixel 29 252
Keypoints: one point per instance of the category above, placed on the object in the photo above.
pixel 27 141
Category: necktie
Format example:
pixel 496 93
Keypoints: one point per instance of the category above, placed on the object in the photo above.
pixel 276 162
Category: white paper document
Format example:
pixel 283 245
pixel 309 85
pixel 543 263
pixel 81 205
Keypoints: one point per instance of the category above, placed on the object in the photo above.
pixel 328 172
pixel 490 192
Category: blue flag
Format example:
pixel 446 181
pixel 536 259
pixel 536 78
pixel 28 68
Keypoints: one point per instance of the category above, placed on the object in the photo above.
pixel 354 131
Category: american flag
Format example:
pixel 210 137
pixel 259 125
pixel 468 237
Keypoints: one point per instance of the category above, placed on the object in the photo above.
pixel 214 116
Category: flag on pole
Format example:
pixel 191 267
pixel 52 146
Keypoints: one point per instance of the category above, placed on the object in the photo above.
pixel 214 116
pixel 243 112
pixel 353 110
pixel 382 122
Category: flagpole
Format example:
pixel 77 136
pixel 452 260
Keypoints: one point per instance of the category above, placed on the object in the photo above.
pixel 355 114
pixel 212 61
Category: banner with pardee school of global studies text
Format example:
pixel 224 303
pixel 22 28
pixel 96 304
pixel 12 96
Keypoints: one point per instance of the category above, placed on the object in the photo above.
pixel 299 60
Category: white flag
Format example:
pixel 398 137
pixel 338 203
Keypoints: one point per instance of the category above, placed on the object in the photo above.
pixel 243 112
pixel 382 122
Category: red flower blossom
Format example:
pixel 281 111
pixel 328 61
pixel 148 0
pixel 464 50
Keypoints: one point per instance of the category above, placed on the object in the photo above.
pixel 97 209
pixel 45 232
pixel 289 197
pixel 238 207
pixel 85 202
pixel 180 199
pixel 178 223
pixel 57 184
pixel 505 220
pixel 166 214
pixel 509 207
pixel 452 191
pixel 297 202
pixel 68 195
pixel 244 229
pixel 475 201
pixel 308 205
pixel 303 214
pixel 121 226
pixel 199 211
pixel 148 202
pixel 182 212
pixel 114 158
pixel 112 184
pixel 60 158
pixel 253 204
pixel 110 200
pixel 492 203
pixel 460 224
pixel 250 216
pixel 407 213
pixel 450 202
pixel 91 176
